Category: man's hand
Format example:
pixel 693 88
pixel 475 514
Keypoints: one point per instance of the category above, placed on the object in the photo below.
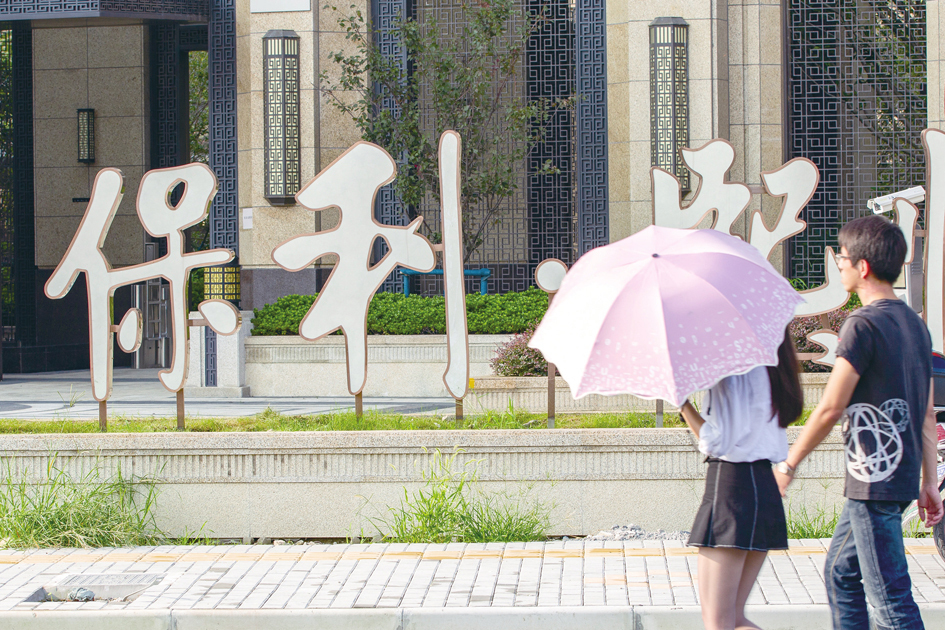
pixel 930 504
pixel 783 482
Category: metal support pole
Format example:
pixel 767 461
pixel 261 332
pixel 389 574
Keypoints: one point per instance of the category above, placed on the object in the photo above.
pixel 358 406
pixel 659 413
pixel 551 395
pixel 103 415
pixel 551 379
pixel 459 410
pixel 180 409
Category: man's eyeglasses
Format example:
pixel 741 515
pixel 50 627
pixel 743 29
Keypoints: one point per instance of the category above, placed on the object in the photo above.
pixel 843 257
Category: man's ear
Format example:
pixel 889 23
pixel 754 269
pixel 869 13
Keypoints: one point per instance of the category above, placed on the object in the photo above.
pixel 864 268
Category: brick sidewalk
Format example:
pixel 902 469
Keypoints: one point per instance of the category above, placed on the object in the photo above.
pixel 553 574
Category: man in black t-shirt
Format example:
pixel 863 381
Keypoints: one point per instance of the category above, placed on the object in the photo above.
pixel 881 387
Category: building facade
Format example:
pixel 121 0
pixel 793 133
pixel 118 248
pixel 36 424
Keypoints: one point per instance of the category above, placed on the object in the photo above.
pixel 847 83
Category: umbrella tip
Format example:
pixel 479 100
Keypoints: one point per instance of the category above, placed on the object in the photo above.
pixel 656 255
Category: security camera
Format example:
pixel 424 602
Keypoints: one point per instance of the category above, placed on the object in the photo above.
pixel 885 203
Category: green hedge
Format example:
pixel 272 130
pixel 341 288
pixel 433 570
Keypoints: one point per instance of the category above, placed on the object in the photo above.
pixel 394 314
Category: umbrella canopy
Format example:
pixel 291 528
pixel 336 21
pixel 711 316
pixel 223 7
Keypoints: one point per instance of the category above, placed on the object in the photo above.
pixel 665 313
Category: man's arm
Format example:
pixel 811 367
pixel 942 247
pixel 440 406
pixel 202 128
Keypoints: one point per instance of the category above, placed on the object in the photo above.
pixel 930 499
pixel 836 397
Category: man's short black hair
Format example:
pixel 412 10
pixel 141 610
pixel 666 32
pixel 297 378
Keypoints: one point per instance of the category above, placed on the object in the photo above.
pixel 878 241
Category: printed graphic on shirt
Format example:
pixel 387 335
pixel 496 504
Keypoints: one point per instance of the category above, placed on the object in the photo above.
pixel 873 444
pixel 897 410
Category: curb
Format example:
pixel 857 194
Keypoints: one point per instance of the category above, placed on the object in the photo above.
pixel 769 616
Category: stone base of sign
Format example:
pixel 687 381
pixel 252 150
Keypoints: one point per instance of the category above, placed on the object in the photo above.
pixel 530 393
pixel 398 365
pixel 231 362
pixel 217 392
pixel 335 484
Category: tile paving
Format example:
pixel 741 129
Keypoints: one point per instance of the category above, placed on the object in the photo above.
pixel 551 574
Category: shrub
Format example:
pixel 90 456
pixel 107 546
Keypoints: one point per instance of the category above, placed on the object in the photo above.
pixel 395 314
pixel 803 326
pixel 515 358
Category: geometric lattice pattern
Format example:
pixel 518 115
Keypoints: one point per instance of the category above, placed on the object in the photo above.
pixel 856 107
pixel 7 219
pixel 281 83
pixel 224 223
pixel 593 212
pixel 24 246
pixel 166 97
pixel 158 9
pixel 558 215
pixel 223 220
pixel 669 96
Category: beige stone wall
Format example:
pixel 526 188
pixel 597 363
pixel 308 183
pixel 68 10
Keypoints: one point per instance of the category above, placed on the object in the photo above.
pixel 325 133
pixel 734 93
pixel 935 16
pixel 628 96
pixel 100 65
pixel 755 97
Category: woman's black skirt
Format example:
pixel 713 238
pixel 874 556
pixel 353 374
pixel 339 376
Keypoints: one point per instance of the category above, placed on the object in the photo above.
pixel 741 508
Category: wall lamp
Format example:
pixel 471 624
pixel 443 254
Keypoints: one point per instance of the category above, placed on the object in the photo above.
pixel 281 83
pixel 669 96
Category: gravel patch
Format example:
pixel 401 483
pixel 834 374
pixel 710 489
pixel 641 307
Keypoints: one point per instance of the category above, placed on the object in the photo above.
pixel 635 532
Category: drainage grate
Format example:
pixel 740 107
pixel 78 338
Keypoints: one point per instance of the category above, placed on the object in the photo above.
pixel 124 587
pixel 109 579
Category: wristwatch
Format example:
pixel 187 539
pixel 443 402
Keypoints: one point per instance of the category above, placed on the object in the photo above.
pixel 784 469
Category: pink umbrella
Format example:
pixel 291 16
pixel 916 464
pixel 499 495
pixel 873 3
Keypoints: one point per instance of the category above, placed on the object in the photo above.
pixel 665 313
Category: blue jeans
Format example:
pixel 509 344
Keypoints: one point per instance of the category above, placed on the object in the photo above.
pixel 868 559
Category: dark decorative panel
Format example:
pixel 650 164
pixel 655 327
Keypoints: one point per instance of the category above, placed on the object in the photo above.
pixel 7 177
pixel 387 206
pixel 591 67
pixel 856 107
pixel 224 220
pixel 210 357
pixel 166 120
pixel 156 9
pixel 24 259
pixel 282 116
pixel 560 215
pixel 669 96
pixel 193 37
pixel 549 73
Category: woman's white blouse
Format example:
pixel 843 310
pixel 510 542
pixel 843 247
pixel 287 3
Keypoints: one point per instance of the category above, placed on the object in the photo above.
pixel 739 425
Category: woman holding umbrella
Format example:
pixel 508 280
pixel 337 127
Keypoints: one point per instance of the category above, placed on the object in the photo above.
pixel 666 313
pixel 741 517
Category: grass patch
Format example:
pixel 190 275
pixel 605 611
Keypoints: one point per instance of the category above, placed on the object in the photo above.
pixel 451 507
pixel 270 420
pixel 817 522
pixel 90 512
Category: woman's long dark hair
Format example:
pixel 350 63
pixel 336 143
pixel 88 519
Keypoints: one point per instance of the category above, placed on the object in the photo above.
pixel 787 398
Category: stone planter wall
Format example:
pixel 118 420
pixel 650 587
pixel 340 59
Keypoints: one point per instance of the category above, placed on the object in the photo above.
pixel 335 484
pixel 530 393
pixel 398 365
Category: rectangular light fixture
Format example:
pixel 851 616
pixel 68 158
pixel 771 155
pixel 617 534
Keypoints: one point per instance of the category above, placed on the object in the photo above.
pixel 86 135
pixel 222 283
pixel 669 96
pixel 282 117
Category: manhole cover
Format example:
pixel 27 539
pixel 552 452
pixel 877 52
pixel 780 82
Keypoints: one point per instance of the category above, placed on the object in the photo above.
pixel 104 587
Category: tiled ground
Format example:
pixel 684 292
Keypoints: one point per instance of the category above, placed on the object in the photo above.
pixel 571 573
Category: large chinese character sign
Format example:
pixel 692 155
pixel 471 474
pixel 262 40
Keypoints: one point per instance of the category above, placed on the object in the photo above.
pixel 350 184
pixel 161 219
